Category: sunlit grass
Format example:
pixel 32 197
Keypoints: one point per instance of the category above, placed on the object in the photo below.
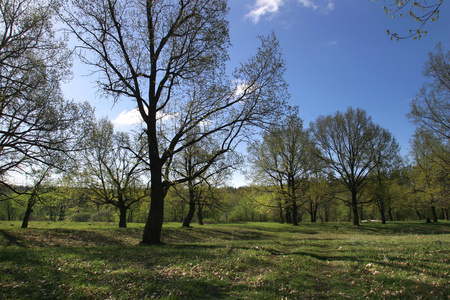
pixel 242 261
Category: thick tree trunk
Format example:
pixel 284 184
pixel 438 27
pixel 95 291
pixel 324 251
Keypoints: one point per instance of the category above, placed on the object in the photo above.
pixel 354 206
pixel 433 213
pixel 153 226
pixel 123 217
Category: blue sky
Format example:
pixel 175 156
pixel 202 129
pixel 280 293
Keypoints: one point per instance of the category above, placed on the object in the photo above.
pixel 337 54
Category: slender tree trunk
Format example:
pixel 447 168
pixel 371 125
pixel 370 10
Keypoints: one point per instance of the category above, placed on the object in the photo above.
pixel 354 207
pixel 280 209
pixel 382 209
pixel 200 214
pixel 29 210
pixel 26 217
pixel 391 218
pixel 62 212
pixel 315 214
pixel 294 213
pixel 188 219
pixel 288 213
pixel 419 215
pixel 31 201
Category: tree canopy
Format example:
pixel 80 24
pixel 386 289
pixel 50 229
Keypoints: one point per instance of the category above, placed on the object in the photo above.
pixel 36 123
pixel 352 146
pixel 169 58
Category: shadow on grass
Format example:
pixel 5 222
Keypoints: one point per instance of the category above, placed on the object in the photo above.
pixel 11 239
pixel 405 228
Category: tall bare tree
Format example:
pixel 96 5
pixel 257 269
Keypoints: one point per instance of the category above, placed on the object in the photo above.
pixel 168 56
pixel 352 146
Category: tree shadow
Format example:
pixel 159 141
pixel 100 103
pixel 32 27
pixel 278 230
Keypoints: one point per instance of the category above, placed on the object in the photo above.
pixel 12 240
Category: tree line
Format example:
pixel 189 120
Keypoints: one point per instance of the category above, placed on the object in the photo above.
pixel 168 58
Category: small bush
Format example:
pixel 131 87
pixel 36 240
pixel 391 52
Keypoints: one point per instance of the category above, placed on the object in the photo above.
pixel 81 217
pixel 103 216
pixel 209 221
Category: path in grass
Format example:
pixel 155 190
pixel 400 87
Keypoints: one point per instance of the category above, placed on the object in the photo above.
pixel 242 261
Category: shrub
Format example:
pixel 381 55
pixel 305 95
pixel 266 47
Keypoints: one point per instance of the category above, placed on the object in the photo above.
pixel 81 217
pixel 103 216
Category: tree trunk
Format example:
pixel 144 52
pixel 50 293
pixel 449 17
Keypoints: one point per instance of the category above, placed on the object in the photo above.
pixel 62 212
pixel 314 215
pixel 419 215
pixel 433 213
pixel 123 217
pixel 288 214
pixel 294 213
pixel 280 209
pixel 200 214
pixel 382 209
pixel 391 218
pixel 327 214
pixel 153 226
pixel 188 219
pixel 31 201
pixel 354 206
pixel 26 217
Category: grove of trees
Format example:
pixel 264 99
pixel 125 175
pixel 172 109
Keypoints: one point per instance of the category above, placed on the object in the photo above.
pixel 168 57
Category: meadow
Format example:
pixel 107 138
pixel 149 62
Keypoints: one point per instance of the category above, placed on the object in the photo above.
pixel 65 260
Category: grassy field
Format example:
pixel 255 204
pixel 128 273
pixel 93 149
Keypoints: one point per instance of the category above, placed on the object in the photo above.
pixel 240 261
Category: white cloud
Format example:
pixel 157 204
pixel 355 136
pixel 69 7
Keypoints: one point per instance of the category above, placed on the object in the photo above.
pixel 322 5
pixel 264 7
pixel 332 43
pixel 131 117
pixel 242 88
pixel 308 4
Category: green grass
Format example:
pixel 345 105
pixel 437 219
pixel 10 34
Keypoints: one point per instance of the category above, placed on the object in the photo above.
pixel 241 261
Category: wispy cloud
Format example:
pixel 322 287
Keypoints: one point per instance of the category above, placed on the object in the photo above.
pixel 332 43
pixel 131 117
pixel 322 5
pixel 264 7
pixel 268 8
